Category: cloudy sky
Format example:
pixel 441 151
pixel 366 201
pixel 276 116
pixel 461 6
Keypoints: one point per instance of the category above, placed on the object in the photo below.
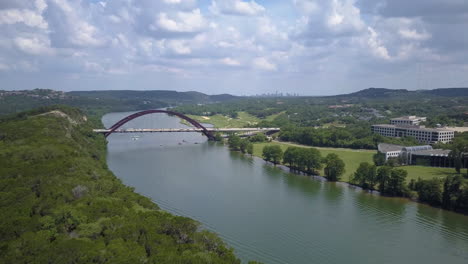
pixel 310 47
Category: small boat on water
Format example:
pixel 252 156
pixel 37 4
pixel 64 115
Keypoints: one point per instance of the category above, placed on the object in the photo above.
pixel 135 137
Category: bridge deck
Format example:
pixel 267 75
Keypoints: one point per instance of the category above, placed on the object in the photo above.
pixel 166 130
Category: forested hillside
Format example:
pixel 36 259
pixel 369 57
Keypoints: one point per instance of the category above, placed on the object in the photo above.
pixel 171 97
pixel 101 102
pixel 18 101
pixel 59 203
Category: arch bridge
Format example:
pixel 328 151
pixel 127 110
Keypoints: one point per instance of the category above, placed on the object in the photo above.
pixel 208 132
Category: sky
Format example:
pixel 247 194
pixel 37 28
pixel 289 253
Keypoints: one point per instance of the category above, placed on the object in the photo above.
pixel 308 47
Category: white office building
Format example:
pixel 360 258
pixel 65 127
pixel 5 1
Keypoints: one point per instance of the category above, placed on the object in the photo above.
pixel 408 120
pixel 422 134
pixel 390 150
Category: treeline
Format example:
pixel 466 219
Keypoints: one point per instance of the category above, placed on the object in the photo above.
pixel 244 145
pixel 450 193
pixel 356 137
pixel 344 110
pixel 391 181
pixel 34 99
pixel 59 203
pixel 307 160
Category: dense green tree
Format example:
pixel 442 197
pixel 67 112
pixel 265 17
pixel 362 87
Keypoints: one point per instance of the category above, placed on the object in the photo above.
pixel 365 176
pixel 250 148
pixel 334 167
pixel 289 156
pixel 303 159
pixel 259 137
pixel 396 183
pixel 383 177
pixel 379 159
pixel 272 153
pixel 243 145
pixel 234 142
pixel 218 137
pixel 455 194
pixel 429 191
pixel 459 153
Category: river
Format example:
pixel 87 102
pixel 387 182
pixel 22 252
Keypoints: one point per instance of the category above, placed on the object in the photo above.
pixel 272 216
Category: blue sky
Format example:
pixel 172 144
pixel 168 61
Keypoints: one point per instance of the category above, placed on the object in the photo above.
pixel 310 47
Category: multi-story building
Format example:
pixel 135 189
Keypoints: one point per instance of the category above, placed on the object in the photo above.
pixel 421 133
pixel 419 155
pixel 407 120
pixel 390 150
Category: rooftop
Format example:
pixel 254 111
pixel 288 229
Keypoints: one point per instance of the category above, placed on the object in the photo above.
pixel 433 152
pixel 407 118
pixel 417 148
pixel 416 127
pixel 384 147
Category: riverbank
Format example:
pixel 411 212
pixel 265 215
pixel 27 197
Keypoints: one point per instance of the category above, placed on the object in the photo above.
pixel 60 202
pixel 352 158
pixel 448 193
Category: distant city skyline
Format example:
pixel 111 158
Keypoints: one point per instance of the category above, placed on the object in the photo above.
pixel 305 47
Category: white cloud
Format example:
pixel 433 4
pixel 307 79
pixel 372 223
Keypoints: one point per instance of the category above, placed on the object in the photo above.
pixel 413 34
pixel 41 5
pixel 80 32
pixel 306 6
pixel 236 7
pixel 172 1
pixel 230 62
pixel 179 47
pixel 344 16
pixel 262 63
pixel 376 46
pixel 180 2
pixel 85 34
pixel 28 17
pixel 114 19
pixel 183 22
pixel 33 46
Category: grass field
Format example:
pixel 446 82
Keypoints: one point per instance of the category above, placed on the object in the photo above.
pixel 415 172
pixel 242 120
pixel 352 158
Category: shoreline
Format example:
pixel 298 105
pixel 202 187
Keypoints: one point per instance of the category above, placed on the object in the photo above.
pixel 287 169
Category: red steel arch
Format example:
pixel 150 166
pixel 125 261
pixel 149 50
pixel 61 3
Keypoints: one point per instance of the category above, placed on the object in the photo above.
pixel 196 124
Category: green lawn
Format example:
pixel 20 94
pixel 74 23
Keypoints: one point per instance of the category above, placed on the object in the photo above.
pixel 242 120
pixel 272 117
pixel 352 158
pixel 415 172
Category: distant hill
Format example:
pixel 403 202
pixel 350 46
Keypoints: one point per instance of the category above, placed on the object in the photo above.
pixel 451 92
pixel 377 93
pixel 173 97
pixel 395 93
